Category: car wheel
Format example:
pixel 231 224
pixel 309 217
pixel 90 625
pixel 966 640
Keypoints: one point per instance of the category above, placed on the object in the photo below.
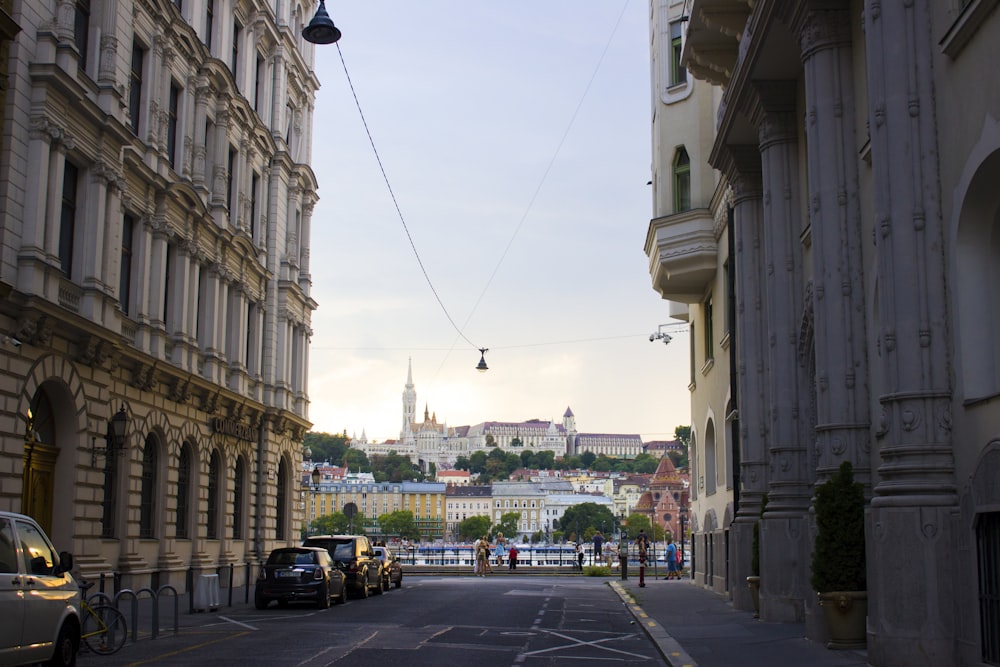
pixel 363 591
pixel 378 583
pixel 260 601
pixel 323 601
pixel 342 598
pixel 65 649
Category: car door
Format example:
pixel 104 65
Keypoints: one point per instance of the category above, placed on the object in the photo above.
pixel 11 595
pixel 46 594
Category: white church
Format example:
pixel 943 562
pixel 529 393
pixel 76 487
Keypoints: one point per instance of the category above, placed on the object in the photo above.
pixel 435 442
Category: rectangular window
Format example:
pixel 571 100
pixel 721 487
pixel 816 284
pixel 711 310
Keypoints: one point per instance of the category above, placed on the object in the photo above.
pixel 172 109
pixel 67 222
pixel 229 184
pixel 237 36
pixel 81 29
pixel 988 546
pixel 166 284
pixel 678 74
pixel 707 323
pixel 125 268
pixel 135 86
pixel 254 186
pixel 209 23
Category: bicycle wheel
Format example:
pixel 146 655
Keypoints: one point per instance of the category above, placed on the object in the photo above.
pixel 104 629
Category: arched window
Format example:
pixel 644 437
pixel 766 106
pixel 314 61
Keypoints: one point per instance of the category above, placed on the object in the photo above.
pixel 682 181
pixel 214 489
pixel 184 492
pixel 281 503
pixel 147 488
pixel 711 462
pixel 239 490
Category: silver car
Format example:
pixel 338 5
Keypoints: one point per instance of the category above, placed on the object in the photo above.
pixel 39 599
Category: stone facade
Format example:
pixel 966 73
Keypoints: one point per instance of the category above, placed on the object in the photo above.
pixel 155 210
pixel 852 148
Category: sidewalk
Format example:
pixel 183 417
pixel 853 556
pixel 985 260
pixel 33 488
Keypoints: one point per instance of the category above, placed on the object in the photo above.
pixel 695 627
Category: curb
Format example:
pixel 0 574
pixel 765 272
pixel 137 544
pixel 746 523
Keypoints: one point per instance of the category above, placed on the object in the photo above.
pixel 669 648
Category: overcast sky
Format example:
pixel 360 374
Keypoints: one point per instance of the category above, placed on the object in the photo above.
pixel 519 159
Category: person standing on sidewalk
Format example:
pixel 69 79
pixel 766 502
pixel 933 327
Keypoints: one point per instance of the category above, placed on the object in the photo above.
pixel 512 556
pixel 642 544
pixel 579 556
pixel 598 543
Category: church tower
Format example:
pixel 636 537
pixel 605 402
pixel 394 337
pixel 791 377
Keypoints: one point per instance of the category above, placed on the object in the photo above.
pixel 409 403
pixel 569 424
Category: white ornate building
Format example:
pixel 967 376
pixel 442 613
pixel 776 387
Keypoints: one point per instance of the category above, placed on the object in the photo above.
pixel 826 219
pixel 155 213
pixel 431 441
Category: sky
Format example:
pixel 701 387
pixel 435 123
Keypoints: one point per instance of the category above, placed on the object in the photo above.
pixel 515 138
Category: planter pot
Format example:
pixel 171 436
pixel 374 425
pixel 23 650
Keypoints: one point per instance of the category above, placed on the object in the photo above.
pixel 846 614
pixel 754 583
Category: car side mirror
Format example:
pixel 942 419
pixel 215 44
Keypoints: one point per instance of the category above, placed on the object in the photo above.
pixel 65 563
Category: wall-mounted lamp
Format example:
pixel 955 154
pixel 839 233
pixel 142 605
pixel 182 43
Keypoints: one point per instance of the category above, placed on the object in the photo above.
pixel 660 334
pixel 481 366
pixel 321 29
pixel 114 439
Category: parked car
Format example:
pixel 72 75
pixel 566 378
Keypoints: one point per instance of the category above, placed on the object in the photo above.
pixel 392 568
pixel 292 574
pixel 355 557
pixel 39 597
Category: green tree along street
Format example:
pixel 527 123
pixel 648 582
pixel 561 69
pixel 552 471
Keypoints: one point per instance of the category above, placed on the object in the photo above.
pixel 398 524
pixel 579 519
pixel 473 528
pixel 637 522
pixel 508 524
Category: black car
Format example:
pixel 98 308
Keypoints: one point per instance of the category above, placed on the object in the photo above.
pixel 392 568
pixel 299 573
pixel 355 557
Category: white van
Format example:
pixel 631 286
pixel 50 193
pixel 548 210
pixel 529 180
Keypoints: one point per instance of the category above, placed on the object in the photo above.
pixel 39 599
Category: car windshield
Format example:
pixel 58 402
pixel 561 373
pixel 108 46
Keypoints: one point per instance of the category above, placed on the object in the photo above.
pixel 291 558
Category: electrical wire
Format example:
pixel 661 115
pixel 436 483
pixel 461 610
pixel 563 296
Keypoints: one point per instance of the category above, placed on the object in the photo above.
pixel 395 203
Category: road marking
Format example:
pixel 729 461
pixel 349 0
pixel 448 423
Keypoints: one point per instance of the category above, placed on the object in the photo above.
pixel 596 643
pixel 235 622
pixel 187 649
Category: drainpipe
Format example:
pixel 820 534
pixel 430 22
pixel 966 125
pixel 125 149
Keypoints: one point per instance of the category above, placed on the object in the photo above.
pixel 258 532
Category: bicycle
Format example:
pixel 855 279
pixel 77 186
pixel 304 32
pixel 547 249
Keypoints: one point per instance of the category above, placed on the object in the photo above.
pixel 103 627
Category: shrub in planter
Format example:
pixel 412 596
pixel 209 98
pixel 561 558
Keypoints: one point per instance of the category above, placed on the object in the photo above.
pixel 838 559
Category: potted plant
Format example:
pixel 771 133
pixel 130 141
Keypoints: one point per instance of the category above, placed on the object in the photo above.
pixel 753 581
pixel 838 558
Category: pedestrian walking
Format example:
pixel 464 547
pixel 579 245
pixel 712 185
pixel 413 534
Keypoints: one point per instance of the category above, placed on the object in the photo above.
pixel 673 571
pixel 642 544
pixel 598 543
pixel 579 556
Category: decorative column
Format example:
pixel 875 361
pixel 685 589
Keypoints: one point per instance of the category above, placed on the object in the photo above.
pixel 784 582
pixel 842 375
pixel 839 311
pixel 742 167
pixel 201 102
pixel 915 505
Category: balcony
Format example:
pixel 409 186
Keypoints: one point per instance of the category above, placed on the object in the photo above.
pixel 711 48
pixel 683 255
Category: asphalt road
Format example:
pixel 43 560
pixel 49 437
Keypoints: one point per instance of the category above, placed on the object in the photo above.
pixel 432 621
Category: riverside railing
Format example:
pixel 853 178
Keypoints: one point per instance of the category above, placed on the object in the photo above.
pixel 551 555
